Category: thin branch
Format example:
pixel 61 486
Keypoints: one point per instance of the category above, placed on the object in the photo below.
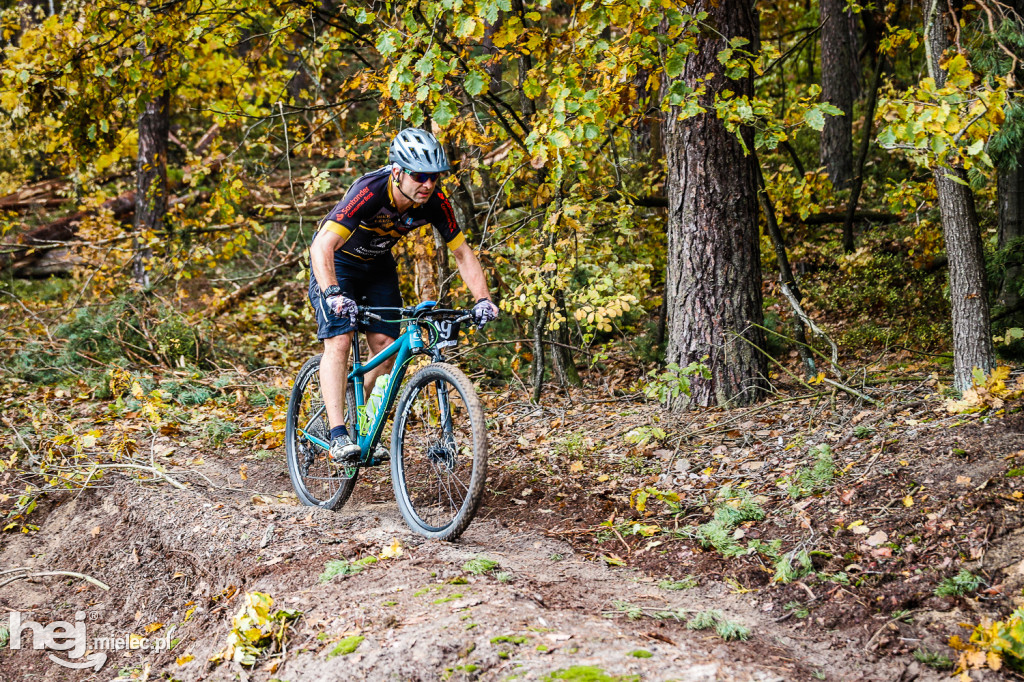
pixel 23 574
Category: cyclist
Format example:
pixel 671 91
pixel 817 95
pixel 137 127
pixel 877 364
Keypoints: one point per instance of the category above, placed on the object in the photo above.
pixel 351 261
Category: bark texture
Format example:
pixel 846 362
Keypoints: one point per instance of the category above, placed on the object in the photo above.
pixel 840 85
pixel 713 286
pixel 1011 230
pixel 151 176
pixel 1011 211
pixel 972 328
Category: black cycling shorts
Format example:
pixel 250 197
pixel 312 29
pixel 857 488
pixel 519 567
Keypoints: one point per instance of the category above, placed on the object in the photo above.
pixel 368 284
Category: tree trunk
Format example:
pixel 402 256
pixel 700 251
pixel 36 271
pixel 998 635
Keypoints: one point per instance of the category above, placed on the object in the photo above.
pixel 1011 231
pixel 151 177
pixel 540 320
pixel 713 285
pixel 972 328
pixel 840 78
pixel 561 355
pixel 1011 211
pixel 444 268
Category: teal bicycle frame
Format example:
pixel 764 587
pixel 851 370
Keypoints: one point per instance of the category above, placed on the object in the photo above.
pixel 408 344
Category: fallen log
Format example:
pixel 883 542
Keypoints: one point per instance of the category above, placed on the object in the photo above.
pixel 33 254
pixel 60 230
pixel 40 193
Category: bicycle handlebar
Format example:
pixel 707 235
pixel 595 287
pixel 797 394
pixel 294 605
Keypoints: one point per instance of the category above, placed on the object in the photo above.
pixel 371 312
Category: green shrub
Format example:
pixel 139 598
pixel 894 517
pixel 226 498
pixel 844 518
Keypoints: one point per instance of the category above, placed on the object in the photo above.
pixel 962 583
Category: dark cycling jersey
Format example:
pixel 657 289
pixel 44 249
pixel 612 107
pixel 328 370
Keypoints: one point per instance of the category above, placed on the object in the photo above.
pixel 371 225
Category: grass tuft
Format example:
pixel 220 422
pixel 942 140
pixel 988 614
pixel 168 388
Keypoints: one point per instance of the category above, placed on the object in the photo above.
pixel 687 583
pixel 345 568
pixel 933 659
pixel 480 565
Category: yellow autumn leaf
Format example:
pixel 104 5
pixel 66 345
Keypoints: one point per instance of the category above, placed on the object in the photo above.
pixel 976 659
pixel 243 471
pixel 393 551
pixel 153 627
pixel 576 467
pixel 908 501
pixel 602 478
pixel 182 660
pixel 994 660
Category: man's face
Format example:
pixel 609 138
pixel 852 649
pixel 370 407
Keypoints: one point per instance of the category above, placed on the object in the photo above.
pixel 419 191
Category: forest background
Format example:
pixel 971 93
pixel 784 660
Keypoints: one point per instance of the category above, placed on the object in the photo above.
pixel 698 204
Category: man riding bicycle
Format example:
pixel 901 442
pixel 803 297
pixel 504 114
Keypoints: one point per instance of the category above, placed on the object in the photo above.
pixel 351 261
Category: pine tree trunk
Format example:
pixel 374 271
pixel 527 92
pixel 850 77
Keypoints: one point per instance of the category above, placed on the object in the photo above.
pixel 840 83
pixel 972 328
pixel 151 178
pixel 713 286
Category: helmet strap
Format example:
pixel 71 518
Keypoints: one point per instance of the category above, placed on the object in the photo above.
pixel 398 184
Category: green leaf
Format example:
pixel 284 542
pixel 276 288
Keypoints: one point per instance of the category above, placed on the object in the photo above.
pixel 976 148
pixel 814 118
pixel 887 138
pixel 559 139
pixel 532 89
pixel 386 44
pixel 949 175
pixel 476 83
pixel 445 111
pixel 675 65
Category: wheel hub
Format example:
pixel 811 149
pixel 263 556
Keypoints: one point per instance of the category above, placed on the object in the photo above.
pixel 443 451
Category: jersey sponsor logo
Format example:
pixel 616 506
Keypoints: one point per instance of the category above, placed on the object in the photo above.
pixel 447 208
pixel 355 203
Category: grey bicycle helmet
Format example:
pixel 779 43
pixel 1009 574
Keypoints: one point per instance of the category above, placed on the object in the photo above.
pixel 418 151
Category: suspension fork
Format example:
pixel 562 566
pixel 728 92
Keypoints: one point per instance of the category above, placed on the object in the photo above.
pixel 445 406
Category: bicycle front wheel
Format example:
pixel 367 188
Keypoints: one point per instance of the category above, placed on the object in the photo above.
pixel 439 452
pixel 318 482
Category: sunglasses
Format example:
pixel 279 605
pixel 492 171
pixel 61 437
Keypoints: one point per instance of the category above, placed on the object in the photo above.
pixel 422 177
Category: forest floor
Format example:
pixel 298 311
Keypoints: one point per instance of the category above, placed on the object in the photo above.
pixel 599 568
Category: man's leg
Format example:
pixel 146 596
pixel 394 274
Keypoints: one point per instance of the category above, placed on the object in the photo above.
pixel 334 376
pixel 378 342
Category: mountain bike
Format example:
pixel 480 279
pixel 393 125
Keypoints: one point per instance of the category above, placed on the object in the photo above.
pixel 438 450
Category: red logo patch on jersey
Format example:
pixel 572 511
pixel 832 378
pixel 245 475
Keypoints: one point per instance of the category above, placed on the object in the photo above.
pixel 352 206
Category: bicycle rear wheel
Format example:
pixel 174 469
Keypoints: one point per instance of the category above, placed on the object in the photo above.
pixel 439 452
pixel 318 482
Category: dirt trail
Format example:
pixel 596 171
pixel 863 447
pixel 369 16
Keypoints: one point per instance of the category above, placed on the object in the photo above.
pixel 165 552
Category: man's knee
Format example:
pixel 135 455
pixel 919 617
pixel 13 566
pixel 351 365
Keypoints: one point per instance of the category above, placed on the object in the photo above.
pixel 378 341
pixel 338 345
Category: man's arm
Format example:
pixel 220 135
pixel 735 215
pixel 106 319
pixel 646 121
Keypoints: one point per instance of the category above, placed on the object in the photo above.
pixel 321 257
pixel 471 272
